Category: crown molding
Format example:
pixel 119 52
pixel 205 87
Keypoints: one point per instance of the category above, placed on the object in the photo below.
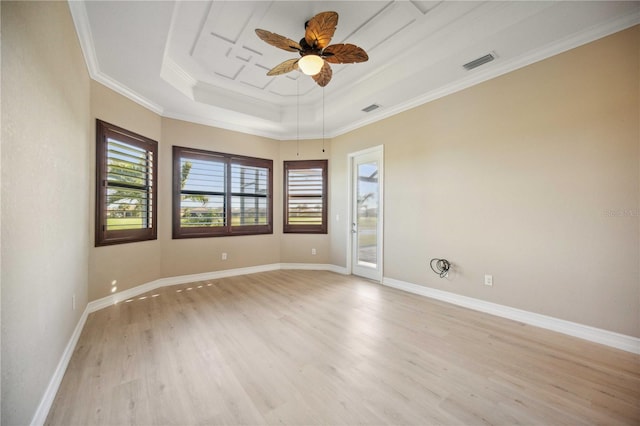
pixel 276 130
pixel 83 29
pixel 227 125
pixel 501 68
pixel 128 93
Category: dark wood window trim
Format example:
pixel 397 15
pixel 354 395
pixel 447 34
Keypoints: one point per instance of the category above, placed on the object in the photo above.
pixel 291 196
pixel 219 199
pixel 144 183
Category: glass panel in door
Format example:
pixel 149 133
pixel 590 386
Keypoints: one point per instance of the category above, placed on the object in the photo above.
pixel 367 215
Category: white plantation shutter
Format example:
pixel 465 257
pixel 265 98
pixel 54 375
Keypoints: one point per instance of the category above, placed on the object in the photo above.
pixel 218 194
pixel 305 191
pixel 125 186
pixel 202 190
pixel 129 184
pixel 249 194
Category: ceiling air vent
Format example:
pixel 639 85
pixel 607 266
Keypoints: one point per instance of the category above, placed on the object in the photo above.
pixel 477 62
pixel 370 108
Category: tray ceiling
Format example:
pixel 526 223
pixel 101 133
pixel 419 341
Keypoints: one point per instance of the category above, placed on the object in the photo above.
pixel 202 61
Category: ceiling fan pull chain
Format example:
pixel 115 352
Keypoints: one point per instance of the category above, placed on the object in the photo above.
pixel 298 117
pixel 322 119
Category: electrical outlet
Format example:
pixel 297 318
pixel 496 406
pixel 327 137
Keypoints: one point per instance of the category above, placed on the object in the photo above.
pixel 488 280
pixel 313 251
pixel 224 256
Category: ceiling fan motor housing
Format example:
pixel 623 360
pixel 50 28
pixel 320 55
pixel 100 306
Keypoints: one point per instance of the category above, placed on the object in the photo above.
pixel 308 50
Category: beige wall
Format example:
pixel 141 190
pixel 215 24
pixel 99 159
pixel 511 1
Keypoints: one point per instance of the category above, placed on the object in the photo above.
pixel 45 216
pixel 296 248
pixel 533 177
pixel 196 255
pixel 139 263
pixel 517 177
pixel 127 264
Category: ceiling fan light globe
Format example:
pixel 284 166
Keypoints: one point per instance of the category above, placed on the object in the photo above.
pixel 310 64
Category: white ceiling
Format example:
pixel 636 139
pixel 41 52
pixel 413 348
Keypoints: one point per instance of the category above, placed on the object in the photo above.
pixel 201 61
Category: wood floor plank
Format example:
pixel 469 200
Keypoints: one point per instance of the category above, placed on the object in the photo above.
pixel 309 347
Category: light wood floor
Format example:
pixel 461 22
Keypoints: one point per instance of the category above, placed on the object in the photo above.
pixel 307 347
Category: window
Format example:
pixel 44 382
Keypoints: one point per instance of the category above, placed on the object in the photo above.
pixel 305 200
pixel 218 194
pixel 126 193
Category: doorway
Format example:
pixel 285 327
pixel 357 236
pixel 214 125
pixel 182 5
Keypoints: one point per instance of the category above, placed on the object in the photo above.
pixel 366 213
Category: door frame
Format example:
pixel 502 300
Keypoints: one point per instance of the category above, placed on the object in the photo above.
pixel 350 194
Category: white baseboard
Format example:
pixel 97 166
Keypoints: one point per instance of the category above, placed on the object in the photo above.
pixel 609 338
pixel 315 267
pixel 44 407
pixel 42 411
pixel 184 279
pixel 597 335
pixel 112 299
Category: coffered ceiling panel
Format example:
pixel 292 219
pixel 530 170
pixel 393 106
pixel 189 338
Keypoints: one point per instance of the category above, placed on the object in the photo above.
pixel 202 60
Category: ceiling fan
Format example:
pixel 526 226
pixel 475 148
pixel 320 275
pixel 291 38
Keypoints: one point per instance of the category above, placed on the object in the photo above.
pixel 315 51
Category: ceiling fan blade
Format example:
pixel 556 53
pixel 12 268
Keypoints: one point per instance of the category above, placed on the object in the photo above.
pixel 344 53
pixel 278 41
pixel 324 76
pixel 320 29
pixel 285 67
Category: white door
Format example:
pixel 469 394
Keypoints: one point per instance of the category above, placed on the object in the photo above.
pixel 366 213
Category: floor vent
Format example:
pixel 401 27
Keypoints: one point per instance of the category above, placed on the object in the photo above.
pixel 480 61
pixel 371 108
